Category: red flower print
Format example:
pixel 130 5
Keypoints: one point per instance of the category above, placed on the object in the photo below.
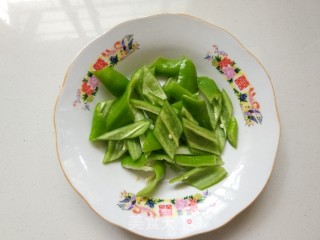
pixel 225 62
pixel 86 89
pixel 99 64
pixel 242 82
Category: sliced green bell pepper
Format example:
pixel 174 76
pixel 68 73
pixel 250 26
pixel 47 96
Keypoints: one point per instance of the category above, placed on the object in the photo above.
pixel 159 172
pixel 151 143
pixel 151 85
pixel 98 126
pixel 134 147
pixel 186 175
pixel 206 177
pixel 188 75
pixel 121 112
pixel 200 138
pixel 232 132
pixel 221 137
pixel 115 150
pixel 113 80
pixel 198 161
pixel 198 109
pixel 226 112
pixel 175 90
pixel 168 129
pixel 127 132
pixel 208 88
pixel 186 114
pixel 145 106
pixel 183 69
pixel 166 67
pixel 140 164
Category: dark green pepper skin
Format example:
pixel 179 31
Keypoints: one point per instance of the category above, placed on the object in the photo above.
pixel 188 76
pixel 98 126
pixel 175 90
pixel 113 80
pixel 208 88
pixel 166 67
pixel 198 110
pixel 121 111
pixel 182 69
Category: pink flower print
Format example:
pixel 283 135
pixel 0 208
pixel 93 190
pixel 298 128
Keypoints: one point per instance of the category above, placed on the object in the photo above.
pixel 93 82
pixel 229 72
pixel 180 204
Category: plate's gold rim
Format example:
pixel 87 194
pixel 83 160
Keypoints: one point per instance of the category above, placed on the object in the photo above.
pixel 210 25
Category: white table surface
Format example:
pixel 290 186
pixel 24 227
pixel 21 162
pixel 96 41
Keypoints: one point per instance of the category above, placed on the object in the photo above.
pixel 38 41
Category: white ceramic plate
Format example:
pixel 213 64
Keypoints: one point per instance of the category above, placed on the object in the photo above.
pixel 172 212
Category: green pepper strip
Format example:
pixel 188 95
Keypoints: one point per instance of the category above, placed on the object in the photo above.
pixel 186 114
pixel 145 106
pixel 173 89
pixel 221 137
pixel 198 161
pixel 200 138
pixel 208 88
pixel 232 132
pixel 140 164
pixel 227 104
pixel 151 85
pixel 121 112
pixel 188 75
pixel 206 178
pixel 151 143
pixel 98 125
pixel 115 150
pixel 154 99
pixel 159 173
pixel 134 147
pixel 113 80
pixel 129 131
pixel 199 111
pixel 217 107
pixel 185 175
pixel 183 69
pixel 213 120
pixel 168 129
pixel 154 157
pixel 189 160
pixel 166 67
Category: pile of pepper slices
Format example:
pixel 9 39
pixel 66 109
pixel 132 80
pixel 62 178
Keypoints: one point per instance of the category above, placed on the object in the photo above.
pixel 184 124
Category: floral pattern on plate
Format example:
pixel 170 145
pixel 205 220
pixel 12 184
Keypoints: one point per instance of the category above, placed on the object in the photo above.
pixel 110 57
pixel 158 207
pixel 241 86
